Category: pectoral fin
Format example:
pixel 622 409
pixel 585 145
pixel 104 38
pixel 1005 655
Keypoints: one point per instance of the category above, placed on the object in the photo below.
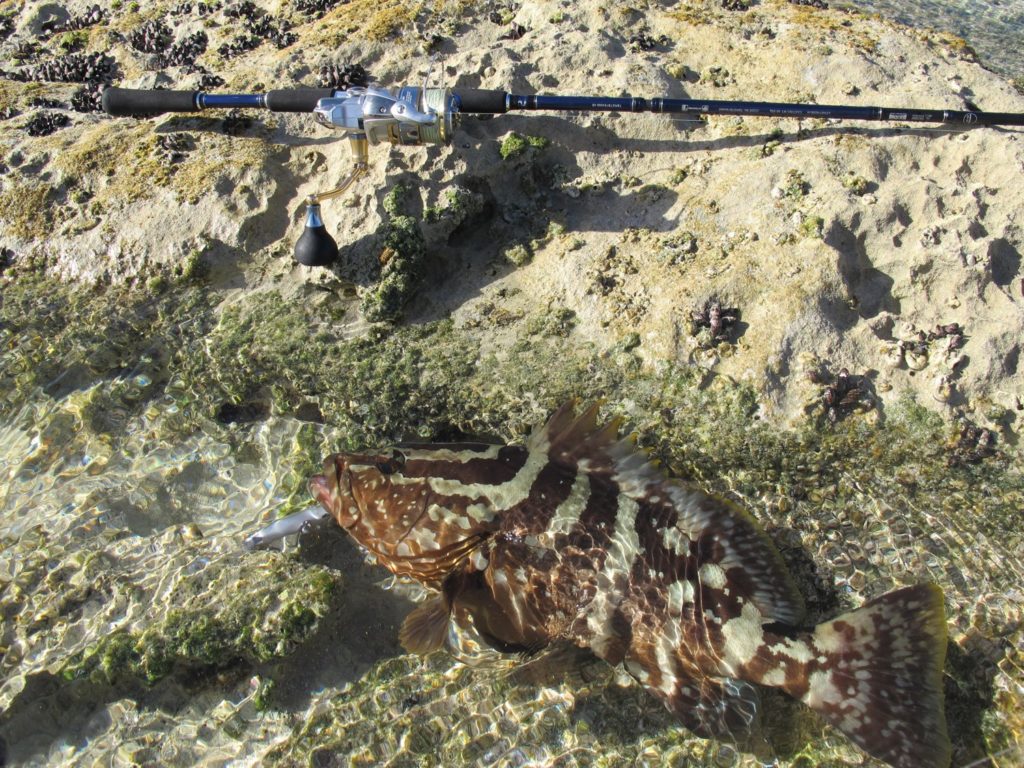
pixel 425 629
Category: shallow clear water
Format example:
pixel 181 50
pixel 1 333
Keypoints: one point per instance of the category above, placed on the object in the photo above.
pixel 113 461
pixel 994 28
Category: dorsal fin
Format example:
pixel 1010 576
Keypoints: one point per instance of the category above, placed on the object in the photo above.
pixel 717 524
pixel 729 536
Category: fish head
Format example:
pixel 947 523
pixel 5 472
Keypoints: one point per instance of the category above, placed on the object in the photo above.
pixel 394 513
pixel 367 495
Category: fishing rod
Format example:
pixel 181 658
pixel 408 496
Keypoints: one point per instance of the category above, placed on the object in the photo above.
pixel 418 116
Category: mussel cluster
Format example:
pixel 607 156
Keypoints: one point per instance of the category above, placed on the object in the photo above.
pixel 25 50
pixel 40 101
pixel 73 68
pixel 6 259
pixel 172 147
pixel 7 113
pixel 316 8
pixel 236 122
pixel 197 9
pixel 736 5
pixel 341 78
pixel 45 123
pixel 515 32
pixel 208 81
pixel 645 42
pixel 89 98
pixel 258 27
pixel 184 52
pixel 973 445
pixel 843 395
pixel 56 26
pixel 820 4
pixel 152 37
pixel 6 27
pixel 716 318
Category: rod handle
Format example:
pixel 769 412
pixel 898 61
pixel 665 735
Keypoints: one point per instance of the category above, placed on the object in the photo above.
pixel 121 102
pixel 481 101
pixel 296 99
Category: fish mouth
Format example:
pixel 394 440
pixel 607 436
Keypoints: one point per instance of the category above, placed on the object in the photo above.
pixel 320 490
pixel 333 490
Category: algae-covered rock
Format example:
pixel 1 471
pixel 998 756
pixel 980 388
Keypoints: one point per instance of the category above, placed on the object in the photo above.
pixel 226 616
pixel 107 615
pixel 401 262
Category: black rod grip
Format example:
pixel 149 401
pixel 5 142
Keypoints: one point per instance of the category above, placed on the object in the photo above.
pixel 130 101
pixel 296 99
pixel 481 101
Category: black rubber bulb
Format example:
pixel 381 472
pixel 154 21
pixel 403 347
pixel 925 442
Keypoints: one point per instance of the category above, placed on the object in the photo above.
pixel 316 248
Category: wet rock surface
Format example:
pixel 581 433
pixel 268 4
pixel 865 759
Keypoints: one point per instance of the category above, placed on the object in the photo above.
pixel 163 362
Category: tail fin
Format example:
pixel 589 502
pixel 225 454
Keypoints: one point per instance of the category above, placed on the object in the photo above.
pixel 877 677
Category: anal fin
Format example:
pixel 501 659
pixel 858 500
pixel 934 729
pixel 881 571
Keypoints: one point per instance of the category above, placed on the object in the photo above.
pixel 721 708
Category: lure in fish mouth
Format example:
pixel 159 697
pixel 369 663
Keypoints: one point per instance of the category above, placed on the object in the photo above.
pixel 577 537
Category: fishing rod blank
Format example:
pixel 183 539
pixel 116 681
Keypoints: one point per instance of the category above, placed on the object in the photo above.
pixel 413 116
pixel 121 101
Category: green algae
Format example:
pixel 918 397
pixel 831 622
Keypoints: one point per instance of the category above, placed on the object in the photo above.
pixel 237 619
pixel 27 209
pixel 856 508
pixel 402 257
pixel 514 145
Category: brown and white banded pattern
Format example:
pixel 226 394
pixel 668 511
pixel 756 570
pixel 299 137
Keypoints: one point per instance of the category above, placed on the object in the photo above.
pixel 577 537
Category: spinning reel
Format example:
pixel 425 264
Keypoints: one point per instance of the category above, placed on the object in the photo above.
pixel 371 115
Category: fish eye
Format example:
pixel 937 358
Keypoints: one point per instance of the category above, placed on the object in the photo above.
pixel 392 465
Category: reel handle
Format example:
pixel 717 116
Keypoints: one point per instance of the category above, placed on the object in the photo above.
pixel 316 247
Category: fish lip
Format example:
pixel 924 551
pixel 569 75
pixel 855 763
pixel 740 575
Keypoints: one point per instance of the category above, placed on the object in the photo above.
pixel 333 490
pixel 320 489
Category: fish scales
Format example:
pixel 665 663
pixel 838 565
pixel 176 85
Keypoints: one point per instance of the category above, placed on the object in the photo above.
pixel 577 537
